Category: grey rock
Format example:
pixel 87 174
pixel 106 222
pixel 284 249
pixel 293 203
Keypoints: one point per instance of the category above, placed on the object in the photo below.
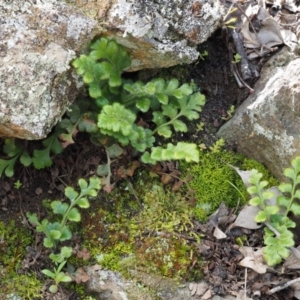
pixel 39 39
pixel 37 44
pixel 266 127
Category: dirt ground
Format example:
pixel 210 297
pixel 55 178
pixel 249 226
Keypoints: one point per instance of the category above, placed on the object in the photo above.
pixel 212 74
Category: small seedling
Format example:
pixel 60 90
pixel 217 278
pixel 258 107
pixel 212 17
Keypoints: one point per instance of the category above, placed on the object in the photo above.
pixel 278 237
pixel 59 231
pixel 236 58
pixel 203 54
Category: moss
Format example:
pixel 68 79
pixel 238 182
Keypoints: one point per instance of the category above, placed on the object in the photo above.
pixel 123 234
pixel 212 180
pixel 249 164
pixel 25 287
pixel 13 244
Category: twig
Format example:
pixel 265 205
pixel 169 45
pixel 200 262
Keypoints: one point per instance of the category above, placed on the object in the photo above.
pixel 282 287
pixel 246 276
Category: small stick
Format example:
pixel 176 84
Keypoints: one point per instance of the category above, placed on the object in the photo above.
pixel 282 287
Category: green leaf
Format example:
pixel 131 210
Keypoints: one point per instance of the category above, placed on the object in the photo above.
pixel 85 67
pixel 59 208
pixel 252 190
pixel 95 90
pixel 172 85
pixel 55 234
pixel 25 159
pixel 41 158
pixel 114 150
pixel 102 170
pixel 74 215
pixel 271 256
pixel 290 173
pixel 179 126
pixel 261 217
pixel 71 193
pixel 163 98
pixel 170 111
pixel 32 218
pixel 283 201
pixel 83 203
pixel 146 158
pixel 48 273
pixel 82 184
pixel 285 188
pixel 143 104
pixel 62 277
pixel 66 252
pixel 186 151
pixel 48 243
pixel 295 209
pixel 271 210
pixel 95 183
pixel 143 138
pixel 65 234
pixel 296 164
pixel 267 195
pixel 116 118
pixel 165 131
pixel 53 288
pixel 158 118
pixel 255 201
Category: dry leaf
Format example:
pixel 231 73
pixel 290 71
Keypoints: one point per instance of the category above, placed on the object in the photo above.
pixel 198 288
pixel 253 260
pixel 246 217
pixel 219 234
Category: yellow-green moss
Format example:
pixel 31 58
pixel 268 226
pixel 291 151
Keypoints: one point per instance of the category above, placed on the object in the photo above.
pixel 212 180
pixel 123 235
pixel 26 287
pixel 13 242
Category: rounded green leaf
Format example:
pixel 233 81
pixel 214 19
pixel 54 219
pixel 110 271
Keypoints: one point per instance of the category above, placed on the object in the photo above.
pixel 71 193
pixel 261 217
pixel 66 251
pixel 53 288
pixel 83 203
pixel 65 234
pixel 58 207
pixel 255 201
pixel 55 234
pixel 143 104
pixel 179 126
pixel 74 215
pixel 165 131
pixel 271 210
pixel 82 183
pixel 285 188
pixel 48 243
pixel 25 159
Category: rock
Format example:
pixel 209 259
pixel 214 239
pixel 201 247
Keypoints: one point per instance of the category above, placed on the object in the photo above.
pixel 108 285
pixel 266 127
pixel 162 33
pixel 37 44
pixel 39 39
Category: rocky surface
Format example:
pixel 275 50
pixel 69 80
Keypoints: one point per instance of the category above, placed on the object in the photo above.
pixel 37 44
pixel 266 126
pixel 39 39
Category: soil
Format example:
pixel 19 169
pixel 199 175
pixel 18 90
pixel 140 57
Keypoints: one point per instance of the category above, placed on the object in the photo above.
pixel 212 74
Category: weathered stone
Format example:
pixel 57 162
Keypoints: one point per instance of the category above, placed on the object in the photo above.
pixel 108 285
pixel 266 126
pixel 37 44
pixel 39 39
